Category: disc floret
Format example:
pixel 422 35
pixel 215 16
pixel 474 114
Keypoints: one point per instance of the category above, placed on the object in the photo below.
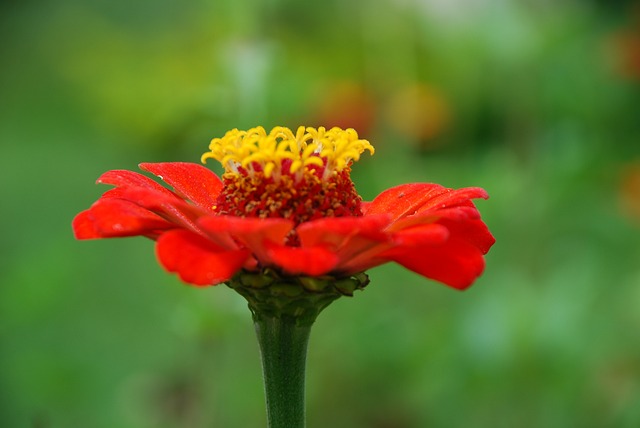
pixel 300 177
pixel 281 152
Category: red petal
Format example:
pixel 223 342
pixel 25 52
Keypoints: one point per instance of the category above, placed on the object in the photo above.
pixel 404 200
pixel 83 226
pixel 366 257
pixel 456 263
pixel 347 237
pixel 192 181
pixel 422 198
pixel 170 208
pixel 474 232
pixel 427 234
pixel 454 197
pixel 312 261
pixel 334 231
pixel 124 178
pixel 197 260
pixel 253 233
pixel 461 213
pixel 273 229
pixel 110 218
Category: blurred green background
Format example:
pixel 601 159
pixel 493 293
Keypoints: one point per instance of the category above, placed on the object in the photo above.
pixel 537 101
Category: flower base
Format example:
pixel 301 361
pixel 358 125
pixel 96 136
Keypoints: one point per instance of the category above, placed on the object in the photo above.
pixel 298 298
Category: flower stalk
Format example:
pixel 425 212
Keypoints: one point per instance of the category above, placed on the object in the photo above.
pixel 284 310
pixel 283 348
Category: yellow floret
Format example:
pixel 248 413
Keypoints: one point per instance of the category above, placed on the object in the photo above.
pixel 308 146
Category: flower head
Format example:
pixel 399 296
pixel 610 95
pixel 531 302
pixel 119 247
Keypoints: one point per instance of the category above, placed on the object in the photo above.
pixel 286 207
pixel 300 177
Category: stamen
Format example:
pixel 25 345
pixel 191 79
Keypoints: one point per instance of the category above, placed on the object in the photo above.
pixel 281 152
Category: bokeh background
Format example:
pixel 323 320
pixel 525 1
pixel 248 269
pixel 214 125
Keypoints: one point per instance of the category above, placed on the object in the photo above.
pixel 537 101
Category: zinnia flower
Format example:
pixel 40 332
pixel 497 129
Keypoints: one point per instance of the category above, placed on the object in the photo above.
pixel 286 206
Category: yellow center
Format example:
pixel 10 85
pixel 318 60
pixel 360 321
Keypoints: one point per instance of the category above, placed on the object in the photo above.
pixel 281 152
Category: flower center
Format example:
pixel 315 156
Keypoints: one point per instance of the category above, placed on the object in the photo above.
pixel 301 176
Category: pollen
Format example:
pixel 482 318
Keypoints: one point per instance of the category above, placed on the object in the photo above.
pixel 282 153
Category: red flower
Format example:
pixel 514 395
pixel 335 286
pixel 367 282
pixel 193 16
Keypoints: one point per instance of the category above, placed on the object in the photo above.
pixel 287 203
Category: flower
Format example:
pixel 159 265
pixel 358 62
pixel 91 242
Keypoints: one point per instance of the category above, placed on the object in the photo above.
pixel 286 204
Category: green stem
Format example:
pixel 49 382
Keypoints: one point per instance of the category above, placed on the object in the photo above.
pixel 283 347
pixel 284 309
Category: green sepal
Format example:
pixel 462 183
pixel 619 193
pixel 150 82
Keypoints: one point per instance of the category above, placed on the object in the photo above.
pixel 300 298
